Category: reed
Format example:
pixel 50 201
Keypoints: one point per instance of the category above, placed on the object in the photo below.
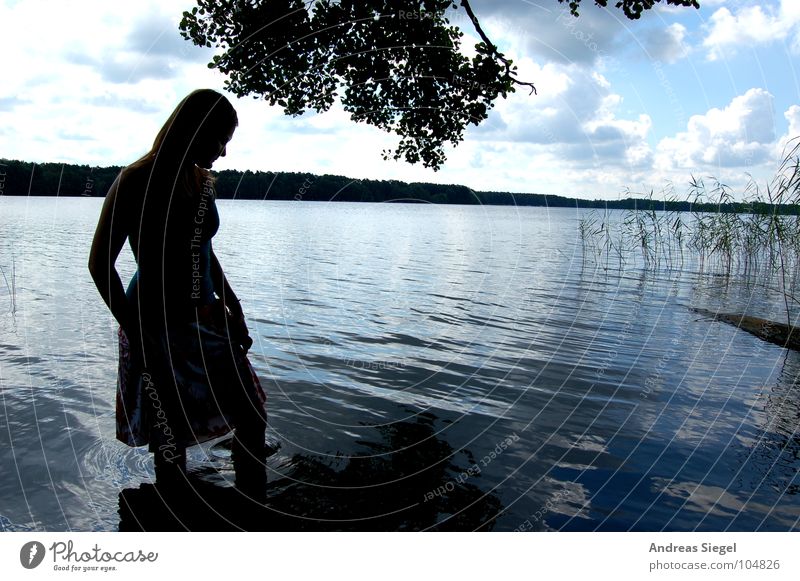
pixel 762 244
pixel 12 285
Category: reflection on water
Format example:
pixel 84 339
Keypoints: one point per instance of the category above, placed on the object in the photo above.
pixel 774 453
pixel 427 367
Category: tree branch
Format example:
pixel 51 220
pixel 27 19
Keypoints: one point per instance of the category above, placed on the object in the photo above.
pixel 497 54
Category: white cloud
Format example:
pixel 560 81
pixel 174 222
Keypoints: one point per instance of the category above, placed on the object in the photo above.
pixel 92 83
pixel 751 25
pixel 667 45
pixel 152 48
pixel 792 115
pixel 546 31
pixel 573 118
pixel 792 137
pixel 739 135
pixel 711 3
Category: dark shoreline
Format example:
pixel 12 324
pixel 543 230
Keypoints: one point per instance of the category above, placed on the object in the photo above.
pixel 20 178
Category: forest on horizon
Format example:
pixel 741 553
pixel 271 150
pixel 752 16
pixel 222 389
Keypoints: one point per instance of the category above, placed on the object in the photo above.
pixel 20 178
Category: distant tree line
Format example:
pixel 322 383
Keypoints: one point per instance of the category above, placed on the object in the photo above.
pixel 20 178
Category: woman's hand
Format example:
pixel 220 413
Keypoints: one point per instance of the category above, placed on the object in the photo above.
pixel 236 325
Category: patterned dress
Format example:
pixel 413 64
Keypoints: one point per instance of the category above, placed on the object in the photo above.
pixel 185 380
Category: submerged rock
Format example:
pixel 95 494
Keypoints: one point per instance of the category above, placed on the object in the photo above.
pixel 786 336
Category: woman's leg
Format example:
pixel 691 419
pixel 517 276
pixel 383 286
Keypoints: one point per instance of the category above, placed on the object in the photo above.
pixel 239 395
pixel 167 433
pixel 249 452
pixel 170 464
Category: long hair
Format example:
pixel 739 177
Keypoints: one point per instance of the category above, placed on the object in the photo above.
pixel 202 111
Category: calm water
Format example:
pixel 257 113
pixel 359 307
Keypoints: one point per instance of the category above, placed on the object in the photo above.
pixel 444 367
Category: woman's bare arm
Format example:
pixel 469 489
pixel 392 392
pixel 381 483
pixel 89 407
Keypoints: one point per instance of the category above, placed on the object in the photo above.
pixel 238 327
pixel 222 287
pixel 108 239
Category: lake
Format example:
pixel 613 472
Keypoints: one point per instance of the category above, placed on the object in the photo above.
pixel 427 367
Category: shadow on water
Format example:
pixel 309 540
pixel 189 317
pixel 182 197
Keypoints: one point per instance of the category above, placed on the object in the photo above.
pixel 408 481
pixel 775 453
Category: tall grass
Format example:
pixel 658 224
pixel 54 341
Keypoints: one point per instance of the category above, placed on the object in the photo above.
pixel 761 244
pixel 11 286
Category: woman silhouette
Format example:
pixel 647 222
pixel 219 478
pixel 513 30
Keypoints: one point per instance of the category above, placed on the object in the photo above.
pixel 184 377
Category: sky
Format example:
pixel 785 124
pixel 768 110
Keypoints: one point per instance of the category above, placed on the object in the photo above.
pixel 623 107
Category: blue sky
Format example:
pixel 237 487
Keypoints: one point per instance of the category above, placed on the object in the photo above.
pixel 621 105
